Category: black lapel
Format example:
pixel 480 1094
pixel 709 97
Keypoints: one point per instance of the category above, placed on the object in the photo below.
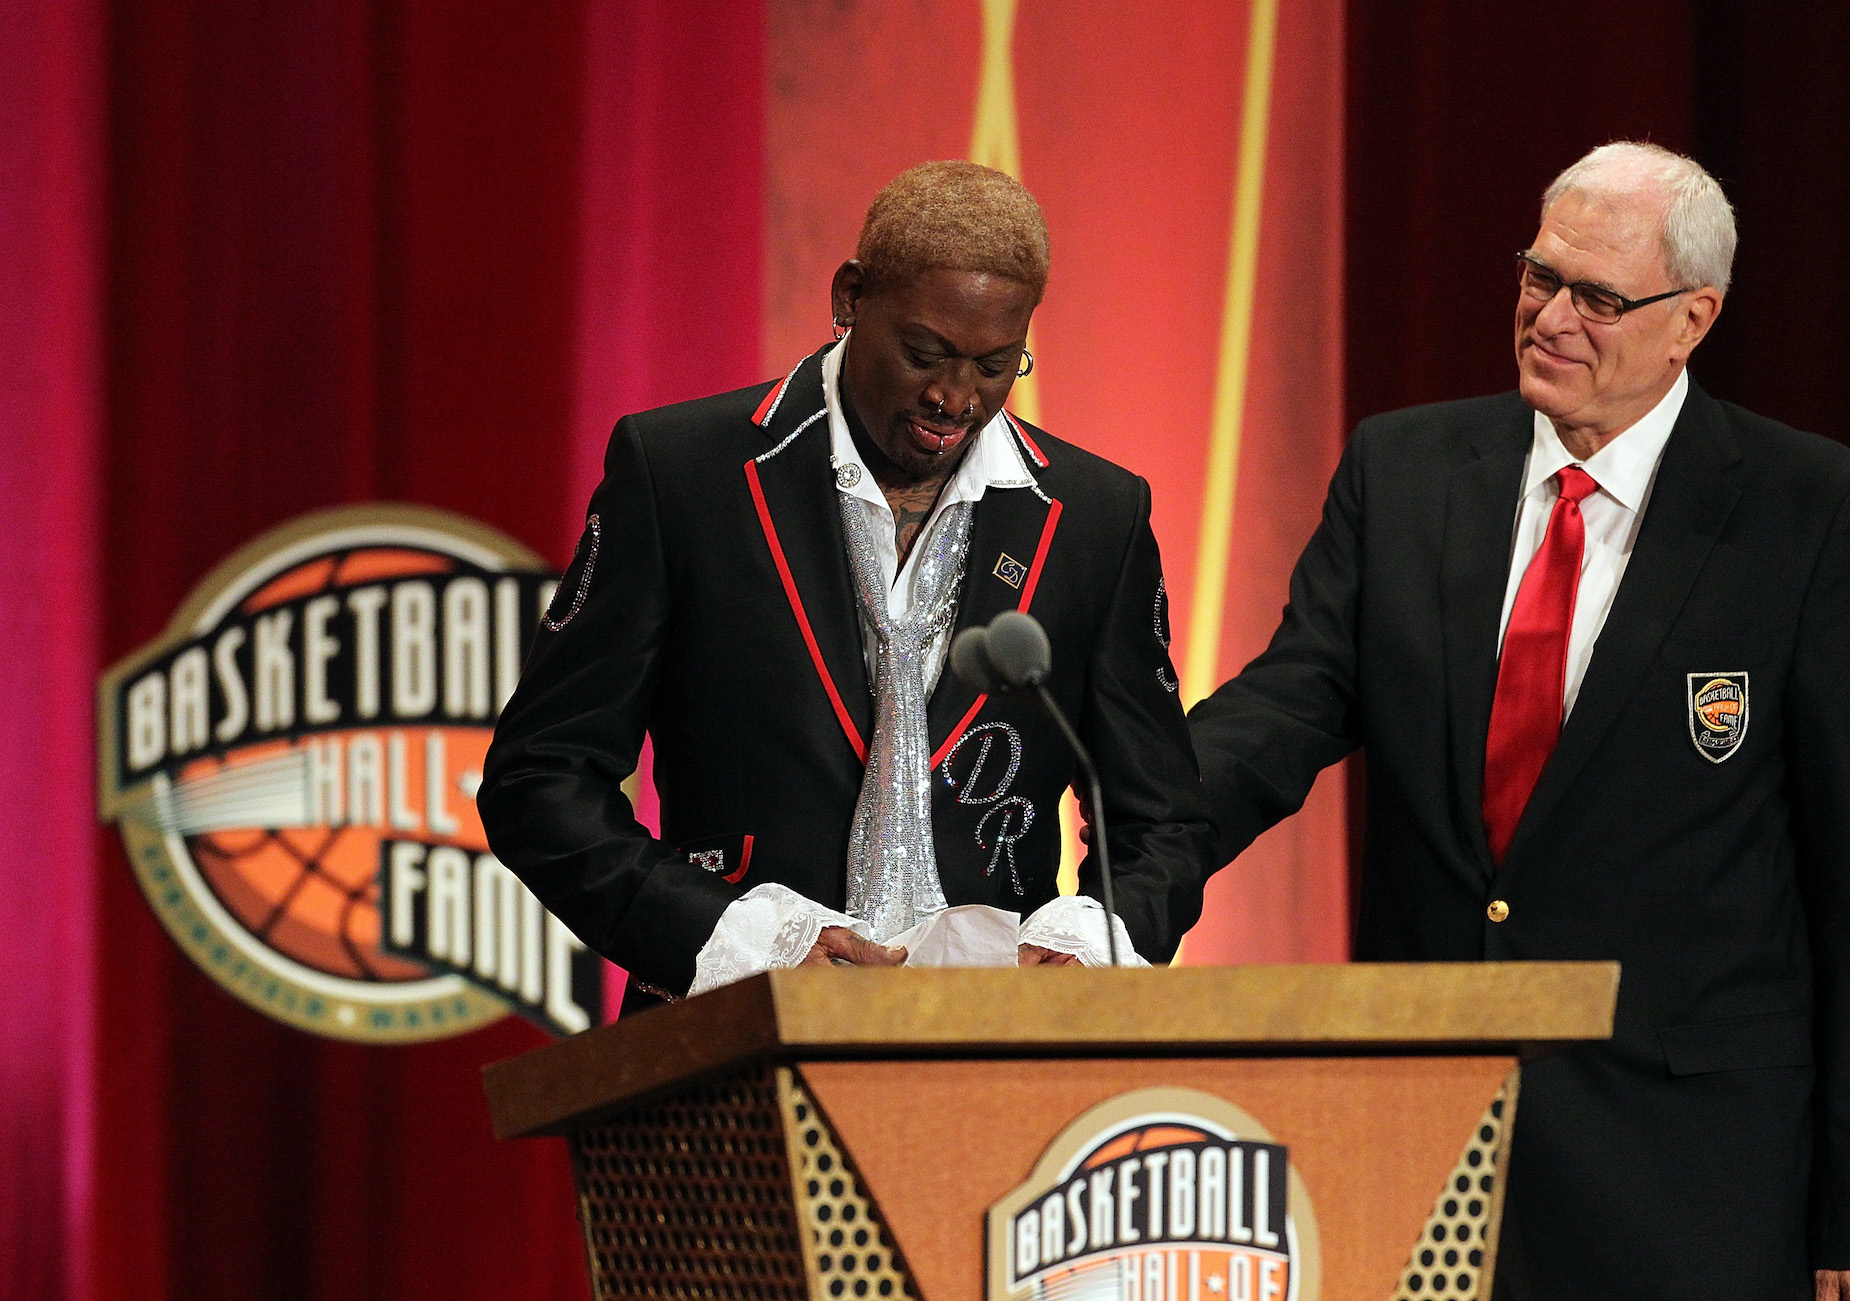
pixel 1005 537
pixel 1689 506
pixel 1480 525
pixel 802 513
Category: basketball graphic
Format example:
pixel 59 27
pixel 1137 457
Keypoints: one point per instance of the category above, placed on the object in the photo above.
pixel 1719 706
pixel 310 893
pixel 294 766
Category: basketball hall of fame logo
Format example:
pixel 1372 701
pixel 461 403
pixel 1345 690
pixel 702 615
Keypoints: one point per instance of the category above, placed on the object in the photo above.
pixel 293 764
pixel 1163 1194
pixel 1717 713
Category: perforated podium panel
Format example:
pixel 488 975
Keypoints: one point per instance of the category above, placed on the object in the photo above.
pixel 736 1190
pixel 693 1197
pixel 879 1134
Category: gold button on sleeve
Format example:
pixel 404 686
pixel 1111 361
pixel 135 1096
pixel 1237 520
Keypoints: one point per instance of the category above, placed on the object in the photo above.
pixel 1497 911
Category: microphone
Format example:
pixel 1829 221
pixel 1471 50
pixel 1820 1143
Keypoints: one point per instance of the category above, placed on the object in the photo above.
pixel 970 661
pixel 1013 654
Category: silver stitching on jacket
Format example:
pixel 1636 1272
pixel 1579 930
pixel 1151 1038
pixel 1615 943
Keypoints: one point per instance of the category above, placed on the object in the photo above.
pixel 892 862
pixel 1164 678
pixel 790 438
pixel 1028 459
pixel 593 532
pixel 783 391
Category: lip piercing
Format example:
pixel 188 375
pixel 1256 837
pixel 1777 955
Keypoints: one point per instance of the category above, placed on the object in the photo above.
pixel 939 404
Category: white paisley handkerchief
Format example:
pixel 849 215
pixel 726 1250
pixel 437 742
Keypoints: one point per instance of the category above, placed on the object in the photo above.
pixel 1075 924
pixel 767 928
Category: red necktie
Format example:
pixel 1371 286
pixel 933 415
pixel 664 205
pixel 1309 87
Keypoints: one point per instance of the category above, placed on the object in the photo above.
pixel 1525 717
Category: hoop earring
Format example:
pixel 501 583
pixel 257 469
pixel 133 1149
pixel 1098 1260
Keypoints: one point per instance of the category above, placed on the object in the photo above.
pixel 1026 368
pixel 842 328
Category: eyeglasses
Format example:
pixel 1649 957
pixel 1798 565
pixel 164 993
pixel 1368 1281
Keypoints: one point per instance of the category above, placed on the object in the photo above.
pixel 1595 302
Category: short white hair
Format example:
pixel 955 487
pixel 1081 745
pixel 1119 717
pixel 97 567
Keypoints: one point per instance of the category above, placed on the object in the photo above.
pixel 1698 231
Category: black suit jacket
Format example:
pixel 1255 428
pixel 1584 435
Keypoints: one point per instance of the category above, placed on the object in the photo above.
pixel 717 616
pixel 1678 1159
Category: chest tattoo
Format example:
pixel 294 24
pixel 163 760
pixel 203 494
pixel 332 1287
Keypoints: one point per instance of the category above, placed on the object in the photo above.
pixel 908 523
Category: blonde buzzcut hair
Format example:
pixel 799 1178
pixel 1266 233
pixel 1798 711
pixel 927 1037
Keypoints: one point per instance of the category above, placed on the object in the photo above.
pixel 1697 236
pixel 959 216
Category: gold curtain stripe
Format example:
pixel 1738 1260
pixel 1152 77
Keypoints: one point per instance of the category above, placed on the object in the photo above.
pixel 1201 670
pixel 995 142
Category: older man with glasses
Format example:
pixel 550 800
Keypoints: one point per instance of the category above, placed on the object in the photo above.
pixel 1594 637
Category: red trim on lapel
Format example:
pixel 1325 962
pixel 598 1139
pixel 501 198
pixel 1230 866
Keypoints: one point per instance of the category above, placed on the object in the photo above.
pixel 770 400
pixel 1040 553
pixel 1027 596
pixel 1040 457
pixel 796 605
pixel 745 861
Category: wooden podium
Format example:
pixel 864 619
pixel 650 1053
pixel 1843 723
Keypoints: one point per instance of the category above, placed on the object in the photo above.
pixel 852 1134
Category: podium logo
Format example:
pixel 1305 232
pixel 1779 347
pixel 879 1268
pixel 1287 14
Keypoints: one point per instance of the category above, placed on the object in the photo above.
pixel 293 764
pixel 1157 1195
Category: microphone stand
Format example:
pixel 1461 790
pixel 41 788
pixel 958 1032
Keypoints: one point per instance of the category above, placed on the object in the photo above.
pixel 1101 843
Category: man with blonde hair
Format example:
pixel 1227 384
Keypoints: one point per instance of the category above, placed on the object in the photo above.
pixel 1594 637
pixel 767 585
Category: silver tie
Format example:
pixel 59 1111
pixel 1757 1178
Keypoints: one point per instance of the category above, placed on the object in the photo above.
pixel 892 869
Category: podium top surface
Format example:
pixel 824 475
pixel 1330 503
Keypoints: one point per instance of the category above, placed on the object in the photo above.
pixel 848 1013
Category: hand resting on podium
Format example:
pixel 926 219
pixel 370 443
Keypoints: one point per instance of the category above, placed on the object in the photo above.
pixel 839 946
pixel 772 926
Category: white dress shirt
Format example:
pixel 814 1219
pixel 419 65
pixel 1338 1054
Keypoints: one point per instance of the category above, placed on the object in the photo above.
pixel 1625 470
pixel 993 461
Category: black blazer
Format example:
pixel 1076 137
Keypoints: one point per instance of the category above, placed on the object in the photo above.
pixel 713 610
pixel 1677 1159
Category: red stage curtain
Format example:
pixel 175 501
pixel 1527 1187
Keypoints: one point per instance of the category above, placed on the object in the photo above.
pixel 1772 119
pixel 51 186
pixel 671 215
pixel 1458 117
pixel 340 264
pixel 341 261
